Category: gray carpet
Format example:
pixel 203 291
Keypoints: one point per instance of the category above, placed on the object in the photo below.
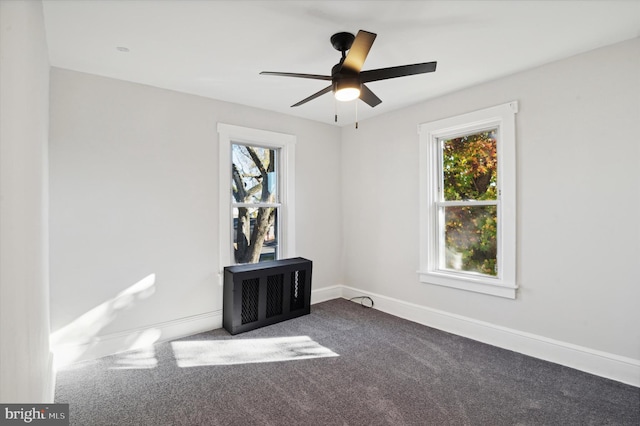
pixel 341 365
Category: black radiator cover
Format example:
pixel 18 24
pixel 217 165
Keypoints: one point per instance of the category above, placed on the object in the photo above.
pixel 265 293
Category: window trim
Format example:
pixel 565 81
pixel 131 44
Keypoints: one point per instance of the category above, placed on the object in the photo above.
pixel 229 134
pixel 502 117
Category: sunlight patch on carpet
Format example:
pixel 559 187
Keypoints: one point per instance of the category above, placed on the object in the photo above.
pixel 199 353
pixel 144 358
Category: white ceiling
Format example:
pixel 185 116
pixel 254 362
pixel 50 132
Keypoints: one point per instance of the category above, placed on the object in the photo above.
pixel 217 48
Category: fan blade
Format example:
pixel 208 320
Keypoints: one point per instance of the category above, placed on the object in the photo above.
pixel 369 97
pixel 359 51
pixel 293 74
pixel 315 95
pixel 400 71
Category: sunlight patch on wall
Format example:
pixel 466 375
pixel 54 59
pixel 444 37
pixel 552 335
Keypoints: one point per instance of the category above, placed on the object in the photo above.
pixel 72 341
pixel 244 351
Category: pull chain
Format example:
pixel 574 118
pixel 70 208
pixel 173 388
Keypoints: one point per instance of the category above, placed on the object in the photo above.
pixel 356 113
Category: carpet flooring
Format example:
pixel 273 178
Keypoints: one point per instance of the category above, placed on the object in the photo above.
pixel 341 365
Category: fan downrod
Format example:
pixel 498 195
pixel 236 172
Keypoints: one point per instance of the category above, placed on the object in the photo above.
pixel 342 41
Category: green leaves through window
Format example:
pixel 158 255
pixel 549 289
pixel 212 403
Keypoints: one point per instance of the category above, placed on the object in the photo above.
pixel 468 230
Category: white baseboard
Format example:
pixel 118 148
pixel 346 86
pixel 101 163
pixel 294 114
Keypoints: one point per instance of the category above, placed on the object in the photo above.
pixel 326 293
pixel 611 366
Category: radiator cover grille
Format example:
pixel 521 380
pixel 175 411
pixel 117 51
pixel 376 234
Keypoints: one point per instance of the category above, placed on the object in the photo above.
pixel 297 290
pixel 250 292
pixel 274 295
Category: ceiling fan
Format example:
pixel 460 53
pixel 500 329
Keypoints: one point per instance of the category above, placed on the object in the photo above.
pixel 347 79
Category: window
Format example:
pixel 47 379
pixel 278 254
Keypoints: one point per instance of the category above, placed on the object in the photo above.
pixel 256 195
pixel 467 201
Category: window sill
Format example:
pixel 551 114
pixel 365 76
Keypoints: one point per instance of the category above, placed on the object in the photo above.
pixel 477 285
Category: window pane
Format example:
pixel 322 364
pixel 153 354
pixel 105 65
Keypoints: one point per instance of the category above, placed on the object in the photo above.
pixel 470 239
pixel 469 167
pixel 254 174
pixel 255 236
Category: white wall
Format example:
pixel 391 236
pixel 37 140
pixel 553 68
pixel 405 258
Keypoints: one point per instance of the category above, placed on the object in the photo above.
pixel 26 373
pixel 134 196
pixel 578 204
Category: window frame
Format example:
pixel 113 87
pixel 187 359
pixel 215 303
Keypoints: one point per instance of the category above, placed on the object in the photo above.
pixel 501 117
pixel 229 135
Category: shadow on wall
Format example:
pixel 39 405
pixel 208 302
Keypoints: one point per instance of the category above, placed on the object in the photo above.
pixel 80 336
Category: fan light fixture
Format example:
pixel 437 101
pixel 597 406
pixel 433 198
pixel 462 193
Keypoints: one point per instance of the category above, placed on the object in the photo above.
pixel 347 90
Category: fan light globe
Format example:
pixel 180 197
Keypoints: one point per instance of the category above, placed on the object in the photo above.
pixel 347 94
pixel 346 87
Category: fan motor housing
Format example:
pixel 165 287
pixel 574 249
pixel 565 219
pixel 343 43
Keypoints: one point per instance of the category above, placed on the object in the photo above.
pixel 341 78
